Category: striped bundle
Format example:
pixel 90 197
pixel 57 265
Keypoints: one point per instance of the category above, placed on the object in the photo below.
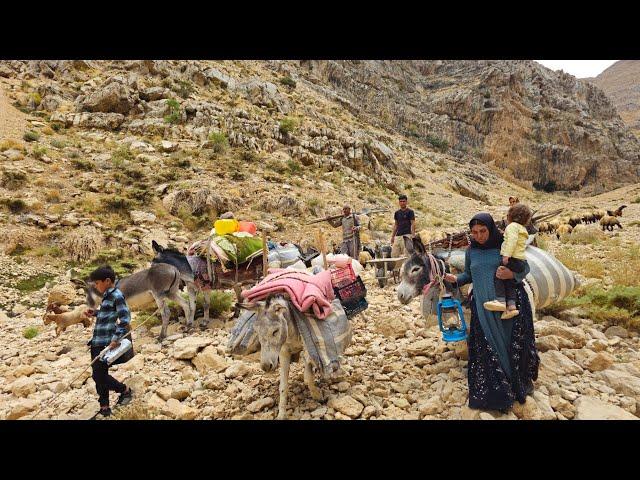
pixel 549 279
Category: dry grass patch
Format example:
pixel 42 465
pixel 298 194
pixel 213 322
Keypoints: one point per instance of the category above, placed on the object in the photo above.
pixel 585 266
pixel 9 144
pixel 83 243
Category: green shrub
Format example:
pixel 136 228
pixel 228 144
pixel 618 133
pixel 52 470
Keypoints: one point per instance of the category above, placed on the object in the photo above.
pixel 183 88
pixel 12 180
pixel 174 112
pixel 30 332
pixel 33 284
pixel 288 81
pixel 57 126
pixel 31 136
pixel 438 143
pixel 219 140
pixel 294 167
pixel 39 152
pixel 35 96
pixel 57 143
pixel 15 205
pixel 221 302
pixel 122 154
pixel 85 165
pixel 636 200
pixel 117 204
pixel 287 125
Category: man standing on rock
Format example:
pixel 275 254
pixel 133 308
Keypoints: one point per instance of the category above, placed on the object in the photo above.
pixel 405 224
pixel 350 232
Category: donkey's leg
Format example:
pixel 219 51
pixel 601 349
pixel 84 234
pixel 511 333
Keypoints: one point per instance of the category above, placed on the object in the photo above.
pixel 176 297
pixel 192 291
pixel 164 312
pixel 285 359
pixel 206 303
pixel 316 393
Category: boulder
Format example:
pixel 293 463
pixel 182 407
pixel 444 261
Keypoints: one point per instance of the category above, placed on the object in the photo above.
pixel 544 405
pixel 113 98
pixel 23 387
pixel 575 336
pixel 558 363
pixel 621 382
pixel 431 406
pixel 261 404
pixel 209 360
pixel 528 410
pixel 616 331
pixel 238 369
pixel 21 408
pixel 164 392
pixel 179 410
pixel 167 146
pixel 600 361
pixel 216 76
pixel 141 147
pixel 591 408
pixel 24 371
pixel 155 93
pixel 139 217
pixel 265 94
pixel 421 347
pixel 562 406
pixel 187 348
pixel 346 405
pixel 486 416
pixel 181 392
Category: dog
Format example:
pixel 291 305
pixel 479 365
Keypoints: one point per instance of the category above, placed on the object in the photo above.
pixel 65 319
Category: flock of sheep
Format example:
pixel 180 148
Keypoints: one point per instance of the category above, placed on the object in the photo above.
pixel 607 218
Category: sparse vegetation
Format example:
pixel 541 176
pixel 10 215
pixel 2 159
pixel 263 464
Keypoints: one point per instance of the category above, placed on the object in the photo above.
pixel 117 204
pixel 84 165
pixel 183 88
pixel 174 112
pixel 34 283
pixel 9 144
pixel 288 81
pixel 39 152
pixel 13 179
pixel 31 136
pixel 30 332
pixel 121 155
pixel 57 143
pixel 439 143
pixel 219 141
pixel 288 125
pixel 14 205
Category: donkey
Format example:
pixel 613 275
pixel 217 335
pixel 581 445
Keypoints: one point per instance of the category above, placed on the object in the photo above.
pixel 415 273
pixel 279 341
pixel 161 280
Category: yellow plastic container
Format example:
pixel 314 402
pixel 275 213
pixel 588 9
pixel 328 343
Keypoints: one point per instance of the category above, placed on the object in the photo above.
pixel 226 225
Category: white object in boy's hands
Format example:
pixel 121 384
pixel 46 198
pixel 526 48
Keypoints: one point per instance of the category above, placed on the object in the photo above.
pixel 111 356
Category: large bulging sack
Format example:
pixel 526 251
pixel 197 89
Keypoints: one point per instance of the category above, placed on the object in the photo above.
pixel 550 280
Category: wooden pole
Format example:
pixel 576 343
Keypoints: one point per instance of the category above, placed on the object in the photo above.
pixel 265 254
pixel 322 247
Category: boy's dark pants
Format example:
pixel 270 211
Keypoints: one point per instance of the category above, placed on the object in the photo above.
pixel 104 381
pixel 506 289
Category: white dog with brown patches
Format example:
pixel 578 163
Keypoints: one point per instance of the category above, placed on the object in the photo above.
pixel 66 319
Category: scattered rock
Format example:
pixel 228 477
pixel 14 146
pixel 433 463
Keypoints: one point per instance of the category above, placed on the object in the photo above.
pixel 23 387
pixel 209 360
pixel 591 408
pixel 346 405
pixel 261 404
pixel 187 348
pixel 616 331
pixel 600 361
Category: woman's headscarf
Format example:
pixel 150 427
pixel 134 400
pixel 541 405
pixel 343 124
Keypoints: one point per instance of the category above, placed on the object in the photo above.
pixel 495 237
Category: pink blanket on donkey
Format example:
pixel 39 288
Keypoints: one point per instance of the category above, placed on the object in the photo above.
pixel 305 290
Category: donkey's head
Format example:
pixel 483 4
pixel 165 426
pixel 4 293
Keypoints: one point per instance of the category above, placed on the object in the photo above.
pixel 94 297
pixel 272 327
pixel 415 271
pixel 170 256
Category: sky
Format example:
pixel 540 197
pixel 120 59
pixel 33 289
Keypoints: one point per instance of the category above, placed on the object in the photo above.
pixel 579 68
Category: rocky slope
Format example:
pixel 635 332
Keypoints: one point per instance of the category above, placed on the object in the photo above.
pixel 621 83
pixel 544 127
pixel 118 153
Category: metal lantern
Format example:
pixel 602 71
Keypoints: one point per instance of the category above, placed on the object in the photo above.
pixel 451 319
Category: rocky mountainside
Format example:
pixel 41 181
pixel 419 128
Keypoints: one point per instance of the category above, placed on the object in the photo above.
pixel 99 158
pixel 621 83
pixel 542 126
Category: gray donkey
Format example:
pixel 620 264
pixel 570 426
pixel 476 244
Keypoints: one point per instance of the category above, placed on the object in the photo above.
pixel 161 280
pixel 279 341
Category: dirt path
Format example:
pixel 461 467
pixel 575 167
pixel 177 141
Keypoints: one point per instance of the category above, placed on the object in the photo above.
pixel 13 122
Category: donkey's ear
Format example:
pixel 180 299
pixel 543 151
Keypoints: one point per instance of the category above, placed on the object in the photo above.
pixel 418 246
pixel 408 245
pixel 156 246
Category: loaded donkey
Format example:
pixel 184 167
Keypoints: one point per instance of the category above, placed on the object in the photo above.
pixel 161 280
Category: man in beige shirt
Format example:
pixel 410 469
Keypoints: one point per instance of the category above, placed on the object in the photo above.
pixel 350 232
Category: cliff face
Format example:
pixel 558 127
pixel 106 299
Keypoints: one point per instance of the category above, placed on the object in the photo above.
pixel 545 127
pixel 621 83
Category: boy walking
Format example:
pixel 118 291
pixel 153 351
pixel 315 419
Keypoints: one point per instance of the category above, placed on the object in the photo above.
pixel 112 322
